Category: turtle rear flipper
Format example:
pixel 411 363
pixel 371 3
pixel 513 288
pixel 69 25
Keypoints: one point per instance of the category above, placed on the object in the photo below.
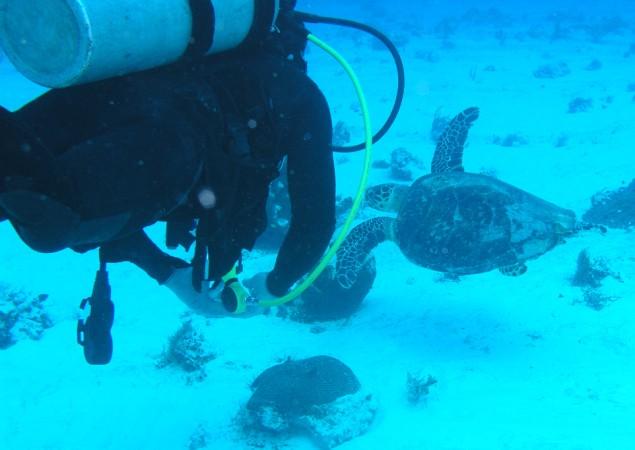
pixel 448 156
pixel 513 270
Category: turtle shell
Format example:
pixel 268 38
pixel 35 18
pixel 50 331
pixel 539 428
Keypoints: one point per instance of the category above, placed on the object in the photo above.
pixel 467 223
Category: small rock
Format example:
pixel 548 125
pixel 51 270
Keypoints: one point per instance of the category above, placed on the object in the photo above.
pixel 381 164
pixel 595 300
pixel 590 272
pixel 579 104
pixel 418 387
pixel 401 161
pixel 22 316
pixel 198 440
pixel 550 71
pixel 594 65
pixel 615 209
pixel 511 140
pixel 561 141
pixel 186 350
pixel 428 56
pixel 341 134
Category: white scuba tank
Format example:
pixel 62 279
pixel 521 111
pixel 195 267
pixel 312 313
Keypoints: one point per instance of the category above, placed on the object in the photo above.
pixel 59 43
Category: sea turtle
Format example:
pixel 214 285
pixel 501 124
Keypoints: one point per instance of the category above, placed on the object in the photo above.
pixel 456 222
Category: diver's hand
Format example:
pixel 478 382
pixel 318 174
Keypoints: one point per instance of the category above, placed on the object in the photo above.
pixel 205 302
pixel 257 286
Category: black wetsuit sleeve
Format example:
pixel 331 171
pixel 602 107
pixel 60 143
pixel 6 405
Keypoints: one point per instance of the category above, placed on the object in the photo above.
pixel 311 176
pixel 141 251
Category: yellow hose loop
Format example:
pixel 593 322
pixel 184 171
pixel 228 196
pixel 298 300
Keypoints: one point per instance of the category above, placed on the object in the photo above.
pixel 368 138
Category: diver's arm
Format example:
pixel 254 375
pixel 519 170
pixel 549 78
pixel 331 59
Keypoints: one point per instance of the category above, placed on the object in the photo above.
pixel 138 249
pixel 173 273
pixel 311 176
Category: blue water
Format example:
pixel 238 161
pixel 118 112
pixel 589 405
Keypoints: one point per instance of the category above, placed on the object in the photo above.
pixel 530 362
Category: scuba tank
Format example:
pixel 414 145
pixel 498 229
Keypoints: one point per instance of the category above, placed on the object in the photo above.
pixel 59 43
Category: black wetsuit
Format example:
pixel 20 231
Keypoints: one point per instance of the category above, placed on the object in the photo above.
pixel 121 154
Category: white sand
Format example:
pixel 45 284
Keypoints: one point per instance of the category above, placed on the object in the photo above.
pixel 520 363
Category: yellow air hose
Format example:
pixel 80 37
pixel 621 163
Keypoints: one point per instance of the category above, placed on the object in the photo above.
pixel 368 137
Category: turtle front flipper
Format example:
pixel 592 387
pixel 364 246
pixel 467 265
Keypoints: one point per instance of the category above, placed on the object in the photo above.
pixel 448 156
pixel 386 197
pixel 356 248
pixel 326 299
pixel 339 291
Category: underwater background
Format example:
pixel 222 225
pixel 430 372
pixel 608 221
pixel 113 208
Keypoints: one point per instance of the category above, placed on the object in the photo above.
pixel 541 361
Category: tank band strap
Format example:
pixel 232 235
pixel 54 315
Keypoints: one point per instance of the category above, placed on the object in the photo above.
pixel 203 27
pixel 264 15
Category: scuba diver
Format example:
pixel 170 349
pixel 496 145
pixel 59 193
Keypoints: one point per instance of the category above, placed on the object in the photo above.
pixel 91 165
pixel 194 143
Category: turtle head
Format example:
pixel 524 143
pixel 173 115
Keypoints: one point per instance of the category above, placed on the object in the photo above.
pixel 386 197
pixel 565 223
